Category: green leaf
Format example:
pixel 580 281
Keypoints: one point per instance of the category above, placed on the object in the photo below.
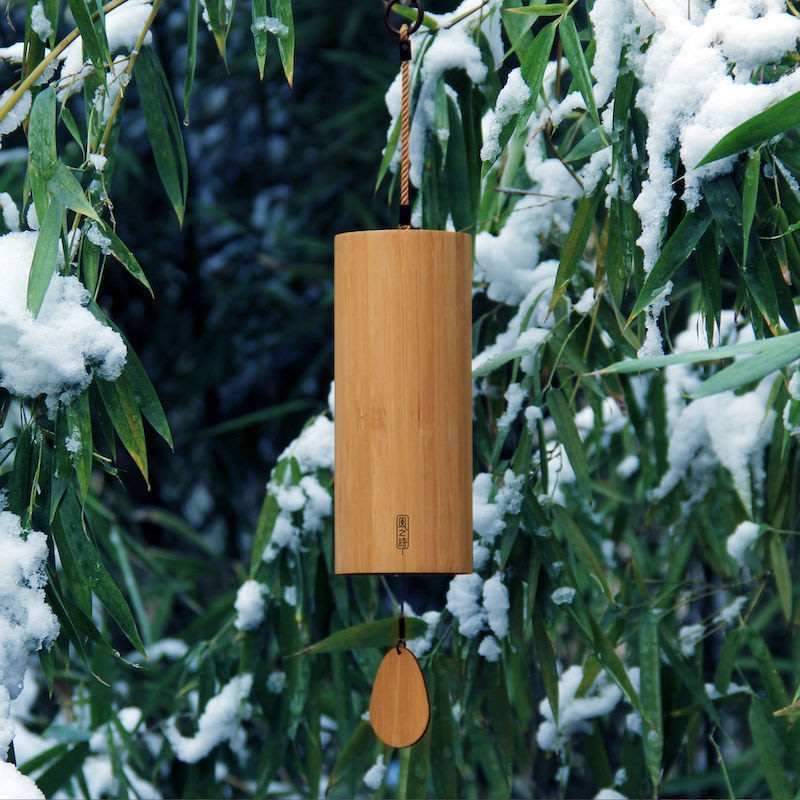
pixel 762 127
pixel 45 256
pixel 749 370
pixel 575 244
pixel 191 55
pixel 761 347
pixel 592 143
pixel 282 10
pixel 547 660
pixel 64 186
pixel 119 400
pixel 577 63
pixel 93 32
pixel 652 721
pixel 769 750
pixel 677 249
pixel 146 396
pixel 42 154
pixel 381 633
pixel 163 129
pixel 260 35
pixel 570 438
pixel 361 740
pixel 749 195
pixel 540 9
pixel 444 734
pixel 567 529
pixel 781 572
pixel 534 64
pixel 79 419
pixel 70 517
pixel 125 257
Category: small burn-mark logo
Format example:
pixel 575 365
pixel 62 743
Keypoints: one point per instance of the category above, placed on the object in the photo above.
pixel 402 532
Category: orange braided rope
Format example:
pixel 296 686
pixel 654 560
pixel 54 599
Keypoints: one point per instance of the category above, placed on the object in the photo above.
pixel 405 126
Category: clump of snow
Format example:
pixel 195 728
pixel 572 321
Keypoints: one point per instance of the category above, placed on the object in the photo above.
pixel 609 794
pixel 726 429
pixel 564 595
pixel 574 712
pixel 72 444
pixel 628 467
pixel 276 682
pixel 10 211
pixel 422 644
pixel 730 613
pixel 373 778
pixel 490 649
pixel 463 602
pixel 488 517
pixel 16 786
pixel 689 636
pixel 496 604
pixel 26 622
pixel 733 688
pixel 313 448
pixel 58 352
pixel 586 302
pixel 219 722
pixel 97 161
pixel 270 25
pixel 40 23
pixel 510 101
pixel 515 397
pixel 532 415
pixel 480 555
pixel 16 116
pixel 249 605
pixel 741 540
pixel 290 595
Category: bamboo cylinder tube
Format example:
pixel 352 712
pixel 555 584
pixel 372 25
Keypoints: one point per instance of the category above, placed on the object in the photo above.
pixel 403 327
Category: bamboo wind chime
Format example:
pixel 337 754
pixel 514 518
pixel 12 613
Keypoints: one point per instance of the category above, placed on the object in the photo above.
pixel 403 493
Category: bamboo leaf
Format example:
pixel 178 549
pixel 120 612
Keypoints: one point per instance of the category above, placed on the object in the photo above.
pixel 93 32
pixel 534 64
pixel 381 633
pixel 575 244
pixel 163 129
pixel 64 186
pixel 566 528
pixel 677 249
pixel 570 438
pixel 762 347
pixel 260 34
pixel 125 257
pixel 773 121
pixel 192 22
pixel 79 420
pixel 749 194
pixel 45 255
pixel 42 154
pixel 282 10
pixel 577 63
pixel 781 572
pixel 70 517
pixel 541 9
pixel 120 403
pixel 769 749
pixel 547 661
pixel 652 721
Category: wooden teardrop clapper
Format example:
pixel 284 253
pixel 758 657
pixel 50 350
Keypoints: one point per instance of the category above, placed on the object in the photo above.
pixel 399 709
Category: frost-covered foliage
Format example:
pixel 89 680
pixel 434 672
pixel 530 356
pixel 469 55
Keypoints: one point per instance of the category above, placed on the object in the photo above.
pixel 632 592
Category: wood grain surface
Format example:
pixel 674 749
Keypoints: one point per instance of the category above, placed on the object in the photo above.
pixel 403 326
pixel 399 709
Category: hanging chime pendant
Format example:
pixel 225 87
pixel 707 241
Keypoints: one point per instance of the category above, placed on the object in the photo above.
pixel 403 326
pixel 399 709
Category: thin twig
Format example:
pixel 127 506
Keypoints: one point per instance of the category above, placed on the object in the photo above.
pixel 462 17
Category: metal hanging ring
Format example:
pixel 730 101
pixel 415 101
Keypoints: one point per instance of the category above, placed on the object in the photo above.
pixel 414 26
